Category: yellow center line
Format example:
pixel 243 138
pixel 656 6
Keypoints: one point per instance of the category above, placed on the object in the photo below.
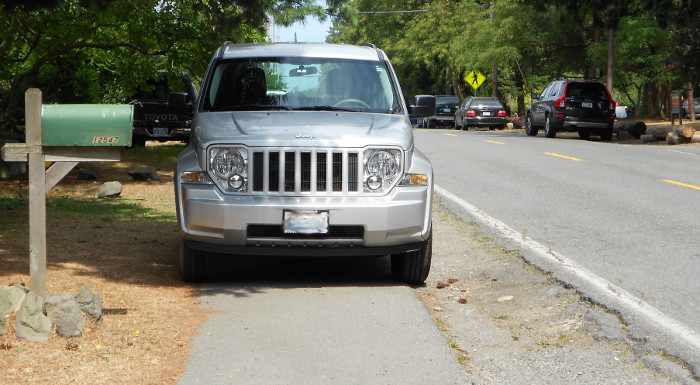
pixel 563 156
pixel 682 184
pixel 449 134
pixel 494 142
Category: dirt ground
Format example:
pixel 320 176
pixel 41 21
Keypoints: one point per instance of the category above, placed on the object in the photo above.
pixel 125 249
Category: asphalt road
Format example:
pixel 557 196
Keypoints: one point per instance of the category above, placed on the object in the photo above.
pixel 314 321
pixel 629 214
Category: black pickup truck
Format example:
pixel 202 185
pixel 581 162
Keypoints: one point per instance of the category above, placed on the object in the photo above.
pixel 153 119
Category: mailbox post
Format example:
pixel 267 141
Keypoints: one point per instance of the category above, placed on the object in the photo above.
pixel 64 134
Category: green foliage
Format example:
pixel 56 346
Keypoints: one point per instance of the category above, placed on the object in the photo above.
pixel 101 51
pixel 437 42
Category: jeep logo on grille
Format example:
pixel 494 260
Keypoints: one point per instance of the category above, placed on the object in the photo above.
pixel 305 136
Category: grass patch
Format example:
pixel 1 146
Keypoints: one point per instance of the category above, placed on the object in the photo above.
pixel 155 154
pixel 106 209
pixel 12 203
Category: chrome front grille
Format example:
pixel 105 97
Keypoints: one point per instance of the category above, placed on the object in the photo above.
pixel 294 170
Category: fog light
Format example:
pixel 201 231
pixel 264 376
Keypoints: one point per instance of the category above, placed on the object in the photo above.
pixel 236 182
pixel 374 182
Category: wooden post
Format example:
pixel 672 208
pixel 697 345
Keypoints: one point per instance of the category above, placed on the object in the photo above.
pixel 37 193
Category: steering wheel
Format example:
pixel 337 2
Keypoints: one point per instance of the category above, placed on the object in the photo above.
pixel 350 102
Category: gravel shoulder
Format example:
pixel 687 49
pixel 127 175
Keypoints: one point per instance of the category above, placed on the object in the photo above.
pixel 510 323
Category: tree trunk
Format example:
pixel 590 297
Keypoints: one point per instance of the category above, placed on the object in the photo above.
pixel 691 101
pixel 695 138
pixel 611 54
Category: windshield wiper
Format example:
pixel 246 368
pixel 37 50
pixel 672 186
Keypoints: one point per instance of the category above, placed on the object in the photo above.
pixel 253 107
pixel 325 108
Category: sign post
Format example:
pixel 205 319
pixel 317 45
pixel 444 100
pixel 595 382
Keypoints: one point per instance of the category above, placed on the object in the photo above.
pixel 37 193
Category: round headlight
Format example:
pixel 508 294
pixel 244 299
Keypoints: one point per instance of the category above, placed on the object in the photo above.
pixel 383 164
pixel 236 182
pixel 227 162
pixel 374 182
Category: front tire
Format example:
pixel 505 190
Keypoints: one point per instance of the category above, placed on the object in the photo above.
pixel 413 267
pixel 530 129
pixel 192 264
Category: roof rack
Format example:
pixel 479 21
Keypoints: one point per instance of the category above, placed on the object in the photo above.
pixel 369 45
pixel 564 77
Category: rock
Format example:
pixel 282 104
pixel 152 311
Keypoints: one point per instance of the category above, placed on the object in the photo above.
pixel 13 296
pixel 90 302
pixel 10 301
pixel 86 174
pixel 505 298
pixel 144 173
pixel 32 324
pixel 110 189
pixel 64 312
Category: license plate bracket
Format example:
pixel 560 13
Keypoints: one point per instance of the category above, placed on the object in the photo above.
pixel 160 131
pixel 305 222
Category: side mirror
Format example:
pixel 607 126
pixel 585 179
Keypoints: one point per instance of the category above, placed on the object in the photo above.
pixel 534 96
pixel 179 104
pixel 424 106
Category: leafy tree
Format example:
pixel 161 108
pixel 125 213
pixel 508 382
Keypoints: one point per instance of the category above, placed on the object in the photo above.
pixel 97 51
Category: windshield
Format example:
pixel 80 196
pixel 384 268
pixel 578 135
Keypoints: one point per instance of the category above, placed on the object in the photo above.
pixel 300 84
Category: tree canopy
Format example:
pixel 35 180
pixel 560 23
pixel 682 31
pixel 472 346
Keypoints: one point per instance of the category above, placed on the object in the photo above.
pixel 527 43
pixel 100 51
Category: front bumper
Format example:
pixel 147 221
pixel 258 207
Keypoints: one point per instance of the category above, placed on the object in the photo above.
pixel 210 220
pixel 163 133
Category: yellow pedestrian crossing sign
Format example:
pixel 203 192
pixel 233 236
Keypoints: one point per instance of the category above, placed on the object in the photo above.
pixel 475 79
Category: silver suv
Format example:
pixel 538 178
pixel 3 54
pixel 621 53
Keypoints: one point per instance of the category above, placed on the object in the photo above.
pixel 303 150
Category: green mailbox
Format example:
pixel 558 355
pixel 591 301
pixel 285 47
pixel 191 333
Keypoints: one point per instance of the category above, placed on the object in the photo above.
pixel 86 124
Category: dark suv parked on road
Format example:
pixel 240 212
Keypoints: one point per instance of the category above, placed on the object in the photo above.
pixel 445 107
pixel 582 106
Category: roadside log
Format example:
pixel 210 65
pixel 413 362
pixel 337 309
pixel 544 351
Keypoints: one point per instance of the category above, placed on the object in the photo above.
pixel 673 138
pixel 695 138
pixel 636 129
pixel 648 138
pixel 686 131
pixel 659 132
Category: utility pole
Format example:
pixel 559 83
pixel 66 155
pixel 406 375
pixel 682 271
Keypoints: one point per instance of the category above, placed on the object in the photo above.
pixel 494 68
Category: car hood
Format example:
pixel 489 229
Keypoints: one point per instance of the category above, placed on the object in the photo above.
pixel 303 128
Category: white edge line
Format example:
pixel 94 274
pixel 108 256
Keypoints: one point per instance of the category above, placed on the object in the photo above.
pixel 655 316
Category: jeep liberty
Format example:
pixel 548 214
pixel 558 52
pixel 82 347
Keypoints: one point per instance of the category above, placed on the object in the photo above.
pixel 303 149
